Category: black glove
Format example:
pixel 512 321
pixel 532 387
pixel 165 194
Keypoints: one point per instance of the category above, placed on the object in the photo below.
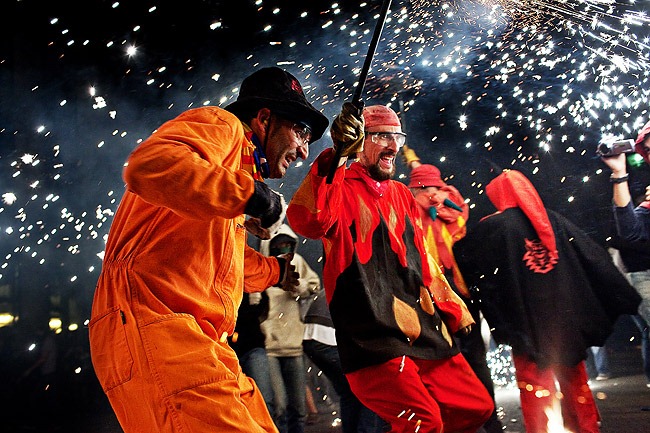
pixel 289 278
pixel 267 205
pixel 347 130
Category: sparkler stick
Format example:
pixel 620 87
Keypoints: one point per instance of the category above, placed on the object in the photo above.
pixel 356 98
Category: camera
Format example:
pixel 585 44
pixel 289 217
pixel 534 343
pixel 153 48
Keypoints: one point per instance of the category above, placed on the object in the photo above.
pixel 611 148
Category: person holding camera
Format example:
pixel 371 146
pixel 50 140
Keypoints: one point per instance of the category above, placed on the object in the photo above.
pixel 632 223
pixel 633 230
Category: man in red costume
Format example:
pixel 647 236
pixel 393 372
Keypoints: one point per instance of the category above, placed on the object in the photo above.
pixel 177 260
pixel 444 215
pixel 550 292
pixel 392 308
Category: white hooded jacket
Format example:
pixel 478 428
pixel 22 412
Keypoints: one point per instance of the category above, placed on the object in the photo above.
pixel 283 329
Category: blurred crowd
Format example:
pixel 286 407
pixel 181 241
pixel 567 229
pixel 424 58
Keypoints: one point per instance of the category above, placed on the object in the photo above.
pixel 46 379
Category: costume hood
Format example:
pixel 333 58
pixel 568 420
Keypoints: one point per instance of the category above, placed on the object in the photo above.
pixel 380 115
pixel 425 175
pixel 512 189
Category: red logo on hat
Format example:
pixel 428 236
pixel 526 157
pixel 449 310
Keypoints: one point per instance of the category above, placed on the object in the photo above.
pixel 295 86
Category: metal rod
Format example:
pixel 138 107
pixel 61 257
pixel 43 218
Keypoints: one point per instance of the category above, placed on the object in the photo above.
pixel 363 76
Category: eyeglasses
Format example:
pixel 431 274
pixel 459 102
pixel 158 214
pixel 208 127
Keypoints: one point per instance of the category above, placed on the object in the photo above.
pixel 385 138
pixel 303 132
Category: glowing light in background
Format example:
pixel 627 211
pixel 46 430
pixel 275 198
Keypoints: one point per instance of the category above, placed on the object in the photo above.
pixel 526 85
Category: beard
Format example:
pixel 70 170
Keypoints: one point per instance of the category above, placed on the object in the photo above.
pixel 379 174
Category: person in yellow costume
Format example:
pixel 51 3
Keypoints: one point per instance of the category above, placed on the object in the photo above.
pixel 444 215
pixel 177 260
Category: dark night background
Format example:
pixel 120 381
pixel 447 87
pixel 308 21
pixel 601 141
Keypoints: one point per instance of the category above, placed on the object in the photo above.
pixel 479 85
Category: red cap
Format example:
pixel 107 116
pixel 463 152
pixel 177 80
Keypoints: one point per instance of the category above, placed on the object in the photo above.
pixel 380 115
pixel 425 175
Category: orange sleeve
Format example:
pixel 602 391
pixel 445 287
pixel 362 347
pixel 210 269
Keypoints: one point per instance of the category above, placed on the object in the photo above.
pixel 260 271
pixel 197 157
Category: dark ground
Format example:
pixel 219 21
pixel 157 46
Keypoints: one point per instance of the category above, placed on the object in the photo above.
pixel 623 400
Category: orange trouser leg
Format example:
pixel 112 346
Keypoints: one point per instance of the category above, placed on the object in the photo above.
pixel 164 386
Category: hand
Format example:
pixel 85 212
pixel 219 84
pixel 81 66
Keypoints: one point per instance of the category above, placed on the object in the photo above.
pixel 647 193
pixel 267 209
pixel 616 163
pixel 254 227
pixel 409 156
pixel 347 130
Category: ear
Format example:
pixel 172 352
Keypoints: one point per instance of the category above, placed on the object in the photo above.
pixel 263 117
pixel 260 123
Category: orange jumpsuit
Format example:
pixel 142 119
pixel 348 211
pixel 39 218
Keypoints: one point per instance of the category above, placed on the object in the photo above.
pixel 175 266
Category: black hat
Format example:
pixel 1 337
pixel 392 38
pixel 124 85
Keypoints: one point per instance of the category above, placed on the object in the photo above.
pixel 281 238
pixel 280 92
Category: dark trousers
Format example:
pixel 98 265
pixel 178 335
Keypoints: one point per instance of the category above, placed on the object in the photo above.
pixel 355 417
pixel 473 349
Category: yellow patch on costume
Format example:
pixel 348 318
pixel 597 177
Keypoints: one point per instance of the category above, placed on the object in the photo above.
pixel 425 301
pixel 304 196
pixel 365 220
pixel 407 319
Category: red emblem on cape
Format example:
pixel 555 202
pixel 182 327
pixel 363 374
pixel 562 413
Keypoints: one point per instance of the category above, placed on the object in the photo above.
pixel 537 257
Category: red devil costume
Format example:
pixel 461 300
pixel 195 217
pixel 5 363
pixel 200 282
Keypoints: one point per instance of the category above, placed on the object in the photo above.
pixel 547 290
pixel 392 308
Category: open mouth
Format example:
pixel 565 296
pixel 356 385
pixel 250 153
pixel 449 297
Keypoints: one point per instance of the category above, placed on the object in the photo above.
pixel 387 161
pixel 288 160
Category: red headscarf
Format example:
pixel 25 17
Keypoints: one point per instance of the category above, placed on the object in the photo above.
pixel 512 189
pixel 640 138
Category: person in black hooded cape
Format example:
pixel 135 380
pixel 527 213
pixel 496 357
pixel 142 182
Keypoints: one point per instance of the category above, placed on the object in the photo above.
pixel 550 292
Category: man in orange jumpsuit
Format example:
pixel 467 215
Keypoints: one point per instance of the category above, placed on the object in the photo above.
pixel 177 260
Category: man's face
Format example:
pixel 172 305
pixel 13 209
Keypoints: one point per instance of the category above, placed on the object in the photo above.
pixel 286 142
pixel 429 191
pixel 380 148
pixel 430 195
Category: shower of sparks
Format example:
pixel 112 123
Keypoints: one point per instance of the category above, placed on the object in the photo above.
pixel 530 56
pixel 519 82
pixel 555 420
pixel 502 369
